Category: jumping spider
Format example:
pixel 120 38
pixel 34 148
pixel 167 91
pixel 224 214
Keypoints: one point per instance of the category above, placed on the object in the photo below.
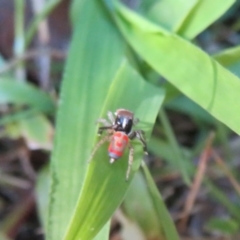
pixel 119 131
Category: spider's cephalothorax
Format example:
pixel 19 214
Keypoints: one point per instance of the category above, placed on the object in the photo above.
pixel 119 132
pixel 123 121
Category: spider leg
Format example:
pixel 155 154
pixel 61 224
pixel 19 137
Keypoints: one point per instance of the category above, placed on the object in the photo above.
pixel 130 161
pixel 132 135
pixel 111 117
pixel 101 142
pixel 104 121
pixel 139 135
pixel 135 121
pixel 101 129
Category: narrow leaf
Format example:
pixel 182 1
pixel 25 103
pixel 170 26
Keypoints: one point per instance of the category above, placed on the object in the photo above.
pixel 105 184
pixel 187 67
pixel 25 94
pixel 42 192
pixel 187 17
pixel 140 211
pixel 230 59
pixel 171 14
pixel 202 15
pixel 168 227
pixel 95 54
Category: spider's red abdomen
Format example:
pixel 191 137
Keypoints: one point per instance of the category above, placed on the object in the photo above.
pixel 117 145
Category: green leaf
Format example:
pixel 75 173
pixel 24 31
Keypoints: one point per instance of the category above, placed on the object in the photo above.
pixel 24 124
pixel 95 55
pixel 202 15
pixel 187 17
pixel 224 226
pixel 142 212
pixel 11 122
pixel 25 94
pixel 180 159
pixel 17 116
pixel 230 58
pixel 145 5
pixel 165 151
pixel 104 233
pixel 37 137
pixel 187 67
pixel 105 181
pixel 42 192
pixel 167 225
pixel 171 14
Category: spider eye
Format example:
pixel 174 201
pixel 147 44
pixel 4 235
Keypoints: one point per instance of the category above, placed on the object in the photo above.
pixel 119 120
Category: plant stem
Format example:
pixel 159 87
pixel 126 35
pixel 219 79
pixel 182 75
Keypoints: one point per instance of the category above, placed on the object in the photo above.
pixel 176 149
pixel 19 40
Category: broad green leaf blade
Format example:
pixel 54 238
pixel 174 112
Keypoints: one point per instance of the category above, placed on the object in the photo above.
pixel 104 233
pixel 42 191
pixel 105 184
pixel 202 15
pixel 171 14
pixel 96 53
pixel 230 59
pixel 25 94
pixel 187 17
pixel 187 67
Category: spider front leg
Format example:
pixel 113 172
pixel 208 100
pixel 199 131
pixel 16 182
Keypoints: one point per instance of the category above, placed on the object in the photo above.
pixel 135 121
pixel 100 143
pixel 107 124
pixel 101 129
pixel 104 121
pixel 130 161
pixel 139 135
pixel 111 117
